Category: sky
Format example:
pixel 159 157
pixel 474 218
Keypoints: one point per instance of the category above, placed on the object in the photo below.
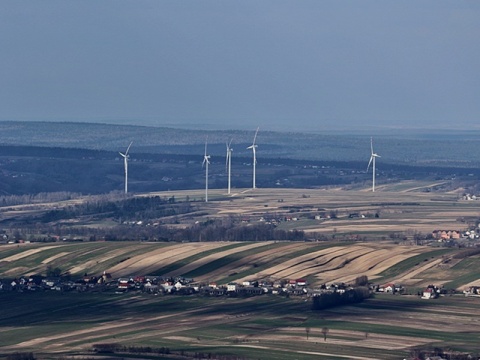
pixel 281 65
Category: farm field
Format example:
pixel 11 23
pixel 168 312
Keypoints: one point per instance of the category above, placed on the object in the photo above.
pixel 54 325
pixel 223 262
pixel 402 206
pixel 267 327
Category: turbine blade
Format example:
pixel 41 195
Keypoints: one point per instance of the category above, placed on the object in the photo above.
pixel 371 145
pixel 126 152
pixel 255 137
pixel 371 158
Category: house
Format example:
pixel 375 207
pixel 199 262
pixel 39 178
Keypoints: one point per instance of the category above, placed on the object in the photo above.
pixel 267 289
pixel 149 287
pixel 292 283
pixel 168 288
pixel 391 288
pixel 301 282
pixel 50 282
pixel 428 294
pixel 232 286
pixel 125 284
pixel 431 292
pixel 442 235
pixel 277 284
pixel 472 291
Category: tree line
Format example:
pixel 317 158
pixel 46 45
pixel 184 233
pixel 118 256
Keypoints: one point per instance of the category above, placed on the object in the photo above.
pixel 212 230
pixel 351 296
pixel 135 208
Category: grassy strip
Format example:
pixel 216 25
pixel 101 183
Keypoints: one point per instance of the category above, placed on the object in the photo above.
pixel 408 264
pixel 185 261
pixel 263 266
pixel 218 263
pixel 467 271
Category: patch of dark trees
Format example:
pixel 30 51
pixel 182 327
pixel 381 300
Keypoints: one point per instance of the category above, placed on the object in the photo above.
pixel 212 230
pixel 136 208
pixel 109 348
pixel 21 356
pixel 333 299
pixel 439 353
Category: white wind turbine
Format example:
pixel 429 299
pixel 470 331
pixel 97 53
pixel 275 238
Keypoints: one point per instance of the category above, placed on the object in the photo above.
pixel 228 164
pixel 372 161
pixel 125 163
pixel 253 147
pixel 206 161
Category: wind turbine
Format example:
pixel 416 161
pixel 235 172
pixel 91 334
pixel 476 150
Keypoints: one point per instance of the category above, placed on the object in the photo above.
pixel 228 164
pixel 372 161
pixel 253 147
pixel 206 161
pixel 125 162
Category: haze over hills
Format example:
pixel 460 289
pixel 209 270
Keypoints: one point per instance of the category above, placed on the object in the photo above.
pixel 456 148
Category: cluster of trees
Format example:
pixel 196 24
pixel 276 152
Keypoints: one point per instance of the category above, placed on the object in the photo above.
pixel 135 208
pixel 111 348
pixel 116 348
pixel 206 232
pixel 43 197
pixel 213 230
pixel 448 354
pixel 21 356
pixel 328 300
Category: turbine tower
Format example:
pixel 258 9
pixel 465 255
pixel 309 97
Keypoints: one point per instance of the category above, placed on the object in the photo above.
pixel 206 161
pixel 253 147
pixel 372 161
pixel 228 164
pixel 125 163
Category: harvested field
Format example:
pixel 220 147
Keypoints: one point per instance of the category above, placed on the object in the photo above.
pixel 226 262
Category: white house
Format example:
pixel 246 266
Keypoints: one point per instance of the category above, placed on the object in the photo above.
pixel 232 286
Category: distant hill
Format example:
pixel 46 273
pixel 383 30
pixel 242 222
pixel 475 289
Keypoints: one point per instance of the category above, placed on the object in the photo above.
pixel 83 158
pixel 415 148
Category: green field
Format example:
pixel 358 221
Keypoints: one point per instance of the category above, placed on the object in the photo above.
pixel 268 327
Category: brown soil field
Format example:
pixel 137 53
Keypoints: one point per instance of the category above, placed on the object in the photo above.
pixel 144 263
pixel 334 262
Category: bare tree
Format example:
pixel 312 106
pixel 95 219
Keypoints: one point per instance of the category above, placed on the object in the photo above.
pixel 307 330
pixel 325 332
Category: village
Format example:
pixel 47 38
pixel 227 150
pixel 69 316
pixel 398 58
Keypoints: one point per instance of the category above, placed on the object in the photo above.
pixel 159 285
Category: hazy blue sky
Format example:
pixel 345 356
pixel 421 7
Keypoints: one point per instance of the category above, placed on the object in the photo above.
pixel 304 65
